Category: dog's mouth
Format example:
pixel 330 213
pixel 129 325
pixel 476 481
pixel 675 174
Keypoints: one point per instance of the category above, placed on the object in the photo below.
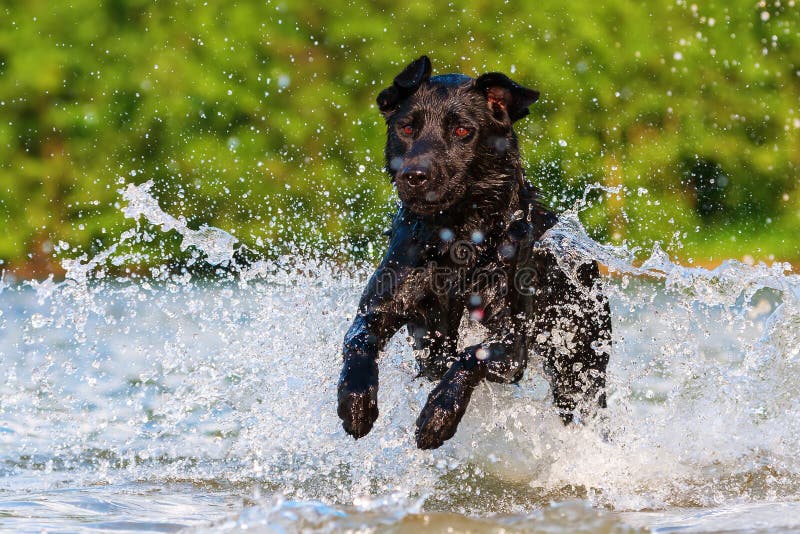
pixel 428 203
pixel 427 208
pixel 440 193
pixel 424 206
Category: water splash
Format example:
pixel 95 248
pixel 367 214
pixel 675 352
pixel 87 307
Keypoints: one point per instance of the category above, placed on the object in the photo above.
pixel 231 383
pixel 216 244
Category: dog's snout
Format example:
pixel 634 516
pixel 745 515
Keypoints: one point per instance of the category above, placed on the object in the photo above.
pixel 414 176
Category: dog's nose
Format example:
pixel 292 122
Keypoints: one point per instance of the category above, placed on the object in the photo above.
pixel 414 176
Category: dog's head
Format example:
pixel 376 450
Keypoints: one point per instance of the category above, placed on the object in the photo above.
pixel 450 137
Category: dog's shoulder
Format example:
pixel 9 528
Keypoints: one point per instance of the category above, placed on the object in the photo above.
pixel 411 238
pixel 540 217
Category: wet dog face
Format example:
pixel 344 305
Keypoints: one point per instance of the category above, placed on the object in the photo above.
pixel 450 137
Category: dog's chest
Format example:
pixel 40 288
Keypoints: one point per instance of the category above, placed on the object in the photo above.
pixel 462 276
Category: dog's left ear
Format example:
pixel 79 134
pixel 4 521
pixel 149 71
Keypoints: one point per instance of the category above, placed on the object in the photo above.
pixel 504 94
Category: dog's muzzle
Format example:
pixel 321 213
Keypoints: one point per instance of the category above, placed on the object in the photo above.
pixel 414 177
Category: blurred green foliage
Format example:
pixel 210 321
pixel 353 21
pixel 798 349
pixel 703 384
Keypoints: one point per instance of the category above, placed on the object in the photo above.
pixel 259 117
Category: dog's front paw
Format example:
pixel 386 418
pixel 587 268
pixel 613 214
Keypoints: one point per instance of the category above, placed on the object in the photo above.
pixel 439 418
pixel 358 395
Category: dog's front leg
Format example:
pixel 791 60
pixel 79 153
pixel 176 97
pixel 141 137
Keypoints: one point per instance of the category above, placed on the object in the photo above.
pixel 388 300
pixel 448 401
pixel 358 394
pixel 499 361
pixel 381 313
pixel 358 382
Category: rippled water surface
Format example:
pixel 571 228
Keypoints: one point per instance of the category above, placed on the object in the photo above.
pixel 176 402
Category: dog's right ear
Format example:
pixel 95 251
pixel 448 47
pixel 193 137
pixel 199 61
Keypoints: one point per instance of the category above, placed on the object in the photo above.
pixel 405 84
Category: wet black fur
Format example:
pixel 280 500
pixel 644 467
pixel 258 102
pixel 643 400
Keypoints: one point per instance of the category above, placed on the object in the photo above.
pixel 465 240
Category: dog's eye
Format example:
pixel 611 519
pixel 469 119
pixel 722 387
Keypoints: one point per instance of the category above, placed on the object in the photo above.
pixel 408 130
pixel 461 132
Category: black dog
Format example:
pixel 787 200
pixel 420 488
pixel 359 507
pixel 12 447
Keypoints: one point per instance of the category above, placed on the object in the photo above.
pixel 465 241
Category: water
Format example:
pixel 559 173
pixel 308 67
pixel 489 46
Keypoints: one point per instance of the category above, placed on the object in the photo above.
pixel 169 402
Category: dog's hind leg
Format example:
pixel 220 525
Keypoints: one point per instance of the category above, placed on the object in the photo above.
pixel 435 337
pixel 572 332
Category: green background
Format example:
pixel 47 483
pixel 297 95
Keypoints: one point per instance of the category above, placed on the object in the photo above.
pixel 259 118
